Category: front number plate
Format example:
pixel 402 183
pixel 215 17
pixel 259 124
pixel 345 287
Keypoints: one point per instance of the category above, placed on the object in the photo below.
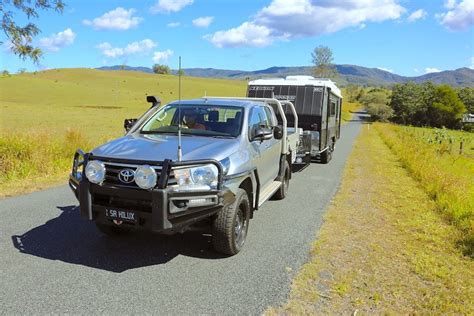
pixel 122 215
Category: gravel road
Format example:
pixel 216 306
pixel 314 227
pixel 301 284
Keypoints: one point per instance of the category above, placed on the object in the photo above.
pixel 53 261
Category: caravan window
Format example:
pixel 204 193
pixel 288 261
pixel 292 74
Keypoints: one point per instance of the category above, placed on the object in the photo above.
pixel 332 108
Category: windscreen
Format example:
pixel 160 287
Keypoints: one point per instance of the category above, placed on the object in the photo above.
pixel 199 120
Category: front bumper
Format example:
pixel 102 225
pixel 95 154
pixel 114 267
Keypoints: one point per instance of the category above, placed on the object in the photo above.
pixel 159 210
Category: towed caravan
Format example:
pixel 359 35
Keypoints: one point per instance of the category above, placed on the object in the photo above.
pixel 317 102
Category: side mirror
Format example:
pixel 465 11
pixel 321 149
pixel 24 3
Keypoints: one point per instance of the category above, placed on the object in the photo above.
pixel 262 133
pixel 128 124
pixel 278 132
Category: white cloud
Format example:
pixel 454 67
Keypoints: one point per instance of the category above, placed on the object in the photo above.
pixel 284 19
pixel 417 15
pixel 173 24
pixel 450 4
pixel 145 46
pixel 119 19
pixel 247 34
pixel 460 15
pixel 416 70
pixel 472 63
pixel 204 21
pixel 167 6
pixel 431 70
pixel 385 69
pixel 58 40
pixel 162 57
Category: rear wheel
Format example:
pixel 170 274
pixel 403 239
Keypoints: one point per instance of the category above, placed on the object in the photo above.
pixel 326 156
pixel 285 184
pixel 229 229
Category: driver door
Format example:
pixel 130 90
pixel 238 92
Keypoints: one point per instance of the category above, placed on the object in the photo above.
pixel 267 152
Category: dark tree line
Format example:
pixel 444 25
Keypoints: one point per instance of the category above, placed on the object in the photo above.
pixel 414 104
pixel 429 105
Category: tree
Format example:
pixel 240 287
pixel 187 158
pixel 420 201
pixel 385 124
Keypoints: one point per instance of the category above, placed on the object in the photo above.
pixel 5 73
pixel 181 72
pixel 405 102
pixel 466 95
pixel 352 92
pixel 376 103
pixel 322 60
pixel 20 38
pixel 380 112
pixel 446 110
pixel 161 69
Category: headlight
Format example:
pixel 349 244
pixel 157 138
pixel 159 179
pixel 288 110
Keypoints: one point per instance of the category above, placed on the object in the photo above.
pixel 202 178
pixel 95 171
pixel 145 177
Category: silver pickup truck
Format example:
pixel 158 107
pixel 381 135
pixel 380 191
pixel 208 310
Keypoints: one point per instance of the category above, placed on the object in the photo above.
pixel 209 160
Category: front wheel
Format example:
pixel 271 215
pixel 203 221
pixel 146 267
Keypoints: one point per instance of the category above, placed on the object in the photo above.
pixel 229 229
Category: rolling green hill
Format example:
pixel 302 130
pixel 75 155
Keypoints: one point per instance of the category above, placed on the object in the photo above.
pixel 91 101
pixel 348 74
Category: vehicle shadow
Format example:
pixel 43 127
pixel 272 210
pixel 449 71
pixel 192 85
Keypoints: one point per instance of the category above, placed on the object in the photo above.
pixel 71 239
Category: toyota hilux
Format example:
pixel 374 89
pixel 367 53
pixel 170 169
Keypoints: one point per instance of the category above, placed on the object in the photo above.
pixel 214 160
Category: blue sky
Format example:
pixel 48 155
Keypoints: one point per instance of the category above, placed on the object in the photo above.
pixel 407 37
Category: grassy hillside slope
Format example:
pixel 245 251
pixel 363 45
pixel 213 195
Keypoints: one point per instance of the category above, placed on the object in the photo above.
pixel 91 101
pixel 45 116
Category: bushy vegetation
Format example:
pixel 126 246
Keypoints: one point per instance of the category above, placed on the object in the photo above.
pixel 376 102
pixel 416 104
pixel 161 69
pixel 443 162
pixel 427 105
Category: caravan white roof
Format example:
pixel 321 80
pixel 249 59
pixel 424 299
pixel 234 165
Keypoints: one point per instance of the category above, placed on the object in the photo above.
pixel 298 81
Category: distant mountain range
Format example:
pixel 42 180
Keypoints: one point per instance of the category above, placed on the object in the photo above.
pixel 348 74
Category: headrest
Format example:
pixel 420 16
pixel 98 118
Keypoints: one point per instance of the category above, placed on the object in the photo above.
pixel 238 115
pixel 213 116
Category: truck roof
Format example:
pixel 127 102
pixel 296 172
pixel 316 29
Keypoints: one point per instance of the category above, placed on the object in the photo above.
pixel 298 81
pixel 225 102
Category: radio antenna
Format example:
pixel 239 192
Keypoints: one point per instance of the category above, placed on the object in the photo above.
pixel 180 153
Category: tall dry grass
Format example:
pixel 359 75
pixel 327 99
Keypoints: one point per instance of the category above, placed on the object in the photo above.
pixel 37 154
pixel 434 158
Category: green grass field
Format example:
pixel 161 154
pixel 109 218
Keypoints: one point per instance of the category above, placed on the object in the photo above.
pixel 91 101
pixel 45 116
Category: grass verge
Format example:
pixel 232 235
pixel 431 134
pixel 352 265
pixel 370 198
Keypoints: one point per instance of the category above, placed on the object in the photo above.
pixel 433 157
pixel 383 247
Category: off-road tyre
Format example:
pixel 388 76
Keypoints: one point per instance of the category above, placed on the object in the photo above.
pixel 285 184
pixel 229 228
